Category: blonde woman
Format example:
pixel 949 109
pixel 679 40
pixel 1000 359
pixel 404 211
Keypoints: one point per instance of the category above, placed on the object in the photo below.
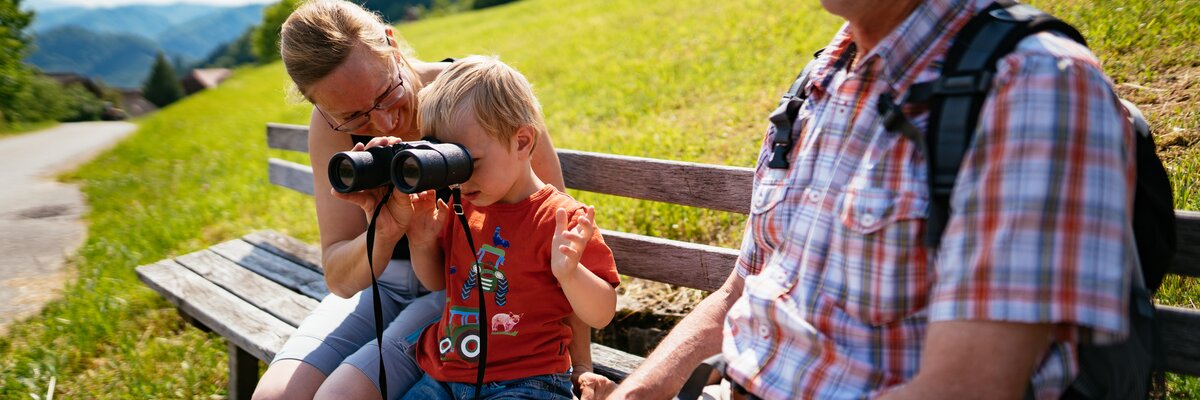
pixel 349 64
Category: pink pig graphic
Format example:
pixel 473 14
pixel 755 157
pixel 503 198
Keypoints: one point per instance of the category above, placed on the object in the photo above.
pixel 506 320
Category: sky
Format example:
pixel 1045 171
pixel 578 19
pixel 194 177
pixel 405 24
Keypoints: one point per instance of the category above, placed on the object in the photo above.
pixel 47 4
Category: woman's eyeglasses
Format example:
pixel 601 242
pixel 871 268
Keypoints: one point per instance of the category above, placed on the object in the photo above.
pixel 360 119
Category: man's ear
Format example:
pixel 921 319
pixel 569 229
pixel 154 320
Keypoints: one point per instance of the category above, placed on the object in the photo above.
pixel 524 140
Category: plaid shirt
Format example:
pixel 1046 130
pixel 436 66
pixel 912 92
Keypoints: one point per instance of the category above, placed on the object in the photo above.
pixel 839 286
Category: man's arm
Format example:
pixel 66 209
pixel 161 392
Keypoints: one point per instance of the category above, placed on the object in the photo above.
pixel 696 337
pixel 977 360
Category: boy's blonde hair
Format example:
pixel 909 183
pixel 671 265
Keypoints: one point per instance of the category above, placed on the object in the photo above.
pixel 501 98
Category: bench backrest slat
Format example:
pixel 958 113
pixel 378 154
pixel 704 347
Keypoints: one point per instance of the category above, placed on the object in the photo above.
pixel 698 185
pixel 287 137
pixel 290 175
pixel 709 186
pixel 670 261
pixel 1187 255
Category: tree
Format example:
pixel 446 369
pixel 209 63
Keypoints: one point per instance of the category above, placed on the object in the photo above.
pixel 266 35
pixel 14 75
pixel 162 87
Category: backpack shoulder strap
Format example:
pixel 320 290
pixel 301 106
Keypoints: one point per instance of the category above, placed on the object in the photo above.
pixel 784 116
pixel 956 98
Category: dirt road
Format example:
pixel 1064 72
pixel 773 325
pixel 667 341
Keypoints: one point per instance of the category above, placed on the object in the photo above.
pixel 39 217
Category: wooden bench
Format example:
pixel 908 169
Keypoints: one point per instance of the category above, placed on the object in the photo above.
pixel 255 290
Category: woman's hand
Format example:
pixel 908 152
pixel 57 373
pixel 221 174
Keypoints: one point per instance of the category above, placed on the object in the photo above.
pixel 428 217
pixel 568 244
pixel 394 217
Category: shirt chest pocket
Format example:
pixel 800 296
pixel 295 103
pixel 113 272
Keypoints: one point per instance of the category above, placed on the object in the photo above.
pixel 876 270
pixel 767 216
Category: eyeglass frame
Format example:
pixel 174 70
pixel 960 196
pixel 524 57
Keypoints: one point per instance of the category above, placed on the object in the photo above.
pixel 365 115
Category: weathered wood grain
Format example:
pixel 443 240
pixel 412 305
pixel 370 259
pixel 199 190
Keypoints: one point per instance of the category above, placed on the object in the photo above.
pixel 716 187
pixel 244 325
pixel 285 304
pixel 613 363
pixel 287 247
pixel 670 261
pixel 1180 329
pixel 290 175
pixel 287 137
pixel 275 268
pixel 1187 231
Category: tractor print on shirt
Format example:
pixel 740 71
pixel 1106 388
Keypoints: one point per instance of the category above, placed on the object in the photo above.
pixel 486 271
pixel 461 335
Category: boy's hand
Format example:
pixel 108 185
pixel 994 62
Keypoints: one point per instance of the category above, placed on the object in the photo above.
pixel 428 216
pixel 568 245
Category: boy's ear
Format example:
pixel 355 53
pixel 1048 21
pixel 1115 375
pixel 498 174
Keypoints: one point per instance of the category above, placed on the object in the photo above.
pixel 524 139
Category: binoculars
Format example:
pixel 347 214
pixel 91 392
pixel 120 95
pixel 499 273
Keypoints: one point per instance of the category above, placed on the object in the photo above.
pixel 412 167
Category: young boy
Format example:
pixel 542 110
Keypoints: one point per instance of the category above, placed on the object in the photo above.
pixel 539 256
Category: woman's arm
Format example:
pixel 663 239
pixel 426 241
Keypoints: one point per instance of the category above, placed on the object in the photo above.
pixel 343 223
pixel 545 163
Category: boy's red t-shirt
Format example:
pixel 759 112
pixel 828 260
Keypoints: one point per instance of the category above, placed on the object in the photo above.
pixel 527 312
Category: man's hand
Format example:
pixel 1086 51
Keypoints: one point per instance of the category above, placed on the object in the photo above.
pixel 592 386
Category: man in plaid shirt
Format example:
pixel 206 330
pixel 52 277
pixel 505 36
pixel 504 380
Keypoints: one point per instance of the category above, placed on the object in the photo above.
pixel 835 294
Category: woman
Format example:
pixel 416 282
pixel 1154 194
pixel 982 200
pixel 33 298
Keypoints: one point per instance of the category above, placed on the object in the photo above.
pixel 347 62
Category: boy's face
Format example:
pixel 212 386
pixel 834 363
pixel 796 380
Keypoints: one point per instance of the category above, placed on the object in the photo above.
pixel 500 170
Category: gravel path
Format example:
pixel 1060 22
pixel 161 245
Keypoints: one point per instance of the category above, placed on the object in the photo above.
pixel 40 222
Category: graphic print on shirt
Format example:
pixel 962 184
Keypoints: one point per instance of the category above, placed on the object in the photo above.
pixel 461 335
pixel 507 321
pixel 486 271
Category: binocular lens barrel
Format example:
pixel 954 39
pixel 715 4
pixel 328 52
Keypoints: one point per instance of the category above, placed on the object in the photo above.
pixel 413 167
pixel 431 167
pixel 351 171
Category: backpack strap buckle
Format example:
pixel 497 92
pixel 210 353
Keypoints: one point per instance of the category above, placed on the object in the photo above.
pixel 971 83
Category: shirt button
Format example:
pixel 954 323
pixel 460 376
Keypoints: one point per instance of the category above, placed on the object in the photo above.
pixel 763 331
pixel 868 219
pixel 814 196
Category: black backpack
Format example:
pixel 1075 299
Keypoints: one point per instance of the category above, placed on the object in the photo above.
pixel 955 99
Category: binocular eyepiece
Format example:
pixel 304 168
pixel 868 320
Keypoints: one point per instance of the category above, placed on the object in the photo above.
pixel 412 167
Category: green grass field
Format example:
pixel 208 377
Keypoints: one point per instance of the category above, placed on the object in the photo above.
pixel 691 80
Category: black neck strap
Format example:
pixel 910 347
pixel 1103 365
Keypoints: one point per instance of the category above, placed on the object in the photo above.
pixel 456 193
pixel 375 288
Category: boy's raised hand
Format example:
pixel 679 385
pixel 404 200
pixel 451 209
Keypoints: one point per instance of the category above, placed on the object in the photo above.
pixel 428 216
pixel 568 244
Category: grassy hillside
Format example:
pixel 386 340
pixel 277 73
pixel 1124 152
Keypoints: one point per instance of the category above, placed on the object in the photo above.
pixel 689 79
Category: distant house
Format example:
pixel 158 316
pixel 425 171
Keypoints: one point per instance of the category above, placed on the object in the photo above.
pixel 70 78
pixel 204 78
pixel 135 104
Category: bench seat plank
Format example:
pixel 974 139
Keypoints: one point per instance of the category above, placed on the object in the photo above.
pixel 287 305
pixel 287 247
pixel 250 328
pixel 276 268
